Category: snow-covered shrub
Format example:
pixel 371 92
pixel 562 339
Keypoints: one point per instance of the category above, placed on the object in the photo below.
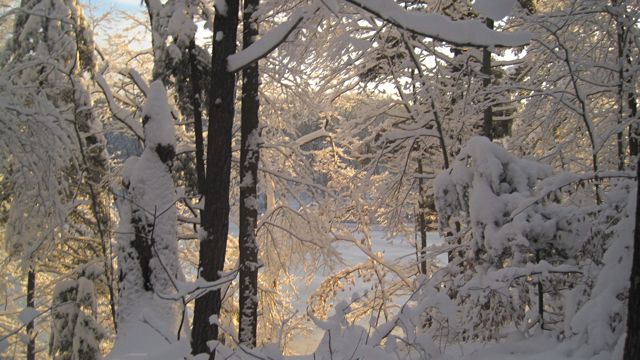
pixel 342 338
pixel 510 237
pixel 75 332
pixel 596 310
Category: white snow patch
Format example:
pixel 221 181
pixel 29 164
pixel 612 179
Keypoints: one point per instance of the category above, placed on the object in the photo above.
pixel 441 27
pixel 4 345
pixel 160 129
pixel 27 315
pixel 269 41
pixel 221 6
pixel 494 9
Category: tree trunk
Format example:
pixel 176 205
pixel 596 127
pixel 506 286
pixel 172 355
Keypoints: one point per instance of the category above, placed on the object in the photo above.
pixel 540 294
pixel 31 336
pixel 422 222
pixel 249 157
pixel 215 217
pixel 626 85
pixel 487 123
pixel 92 150
pixel 634 128
pixel 196 103
pixel 620 35
pixel 632 343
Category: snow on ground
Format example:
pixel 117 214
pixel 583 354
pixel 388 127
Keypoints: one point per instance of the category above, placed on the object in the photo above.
pixel 494 9
pixel 536 348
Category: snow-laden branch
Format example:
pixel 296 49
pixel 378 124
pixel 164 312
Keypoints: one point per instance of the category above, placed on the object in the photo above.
pixel 439 27
pixel 375 257
pixel 505 277
pixel 314 135
pixel 119 113
pixel 400 134
pixel 139 81
pixel 557 182
pixel 270 40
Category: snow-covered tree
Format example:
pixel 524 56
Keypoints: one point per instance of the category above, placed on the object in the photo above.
pixel 249 160
pixel 75 333
pixel 513 237
pixel 362 102
pixel 215 216
pixel 529 256
pixel 52 138
pixel 569 101
pixel 147 242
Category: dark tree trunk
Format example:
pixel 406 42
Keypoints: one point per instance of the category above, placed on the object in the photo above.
pixel 156 42
pixel 487 123
pixel 196 104
pixel 634 128
pixel 92 151
pixel 620 35
pixel 456 97
pixel 632 343
pixel 249 157
pixel 540 294
pixel 31 291
pixel 215 217
pixel 625 85
pixel 422 221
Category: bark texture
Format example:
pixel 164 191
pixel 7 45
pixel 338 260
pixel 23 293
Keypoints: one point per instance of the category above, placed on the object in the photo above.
pixel 215 217
pixel 632 343
pixel 249 158
pixel 31 291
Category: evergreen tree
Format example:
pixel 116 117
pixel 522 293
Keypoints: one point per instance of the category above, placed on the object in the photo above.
pixel 75 333
pixel 147 243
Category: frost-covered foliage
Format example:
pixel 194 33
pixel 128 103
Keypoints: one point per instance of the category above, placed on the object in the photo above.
pixel 173 29
pixel 52 150
pixel 502 234
pixel 48 121
pixel 492 194
pixel 341 155
pixel 75 332
pixel 580 98
pixel 520 257
pixel 342 337
pixel 147 242
pixel 40 200
pixel 596 310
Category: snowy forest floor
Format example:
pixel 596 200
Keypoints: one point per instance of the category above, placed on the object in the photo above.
pixel 536 348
